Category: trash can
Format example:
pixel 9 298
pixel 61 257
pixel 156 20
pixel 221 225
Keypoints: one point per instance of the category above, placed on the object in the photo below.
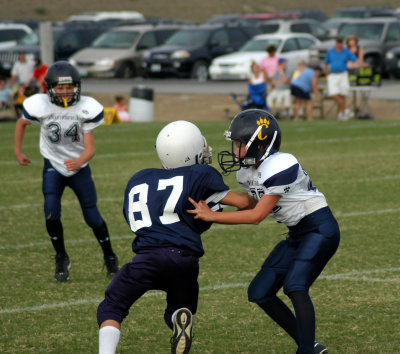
pixel 141 106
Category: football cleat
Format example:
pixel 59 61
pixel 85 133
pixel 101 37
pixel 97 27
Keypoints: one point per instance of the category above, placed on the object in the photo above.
pixel 320 348
pixel 112 266
pixel 182 327
pixel 63 265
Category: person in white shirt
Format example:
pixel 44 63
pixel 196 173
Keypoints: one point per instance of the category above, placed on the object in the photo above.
pixel 22 69
pixel 67 144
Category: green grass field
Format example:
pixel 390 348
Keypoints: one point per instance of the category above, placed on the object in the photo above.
pixel 355 164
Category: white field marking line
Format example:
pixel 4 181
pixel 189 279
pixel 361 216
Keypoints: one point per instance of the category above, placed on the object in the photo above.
pixel 111 175
pixel 213 228
pixel 302 142
pixel 352 276
pixel 101 200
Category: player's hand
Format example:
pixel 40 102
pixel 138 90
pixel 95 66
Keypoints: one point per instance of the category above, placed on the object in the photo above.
pixel 201 210
pixel 72 164
pixel 23 159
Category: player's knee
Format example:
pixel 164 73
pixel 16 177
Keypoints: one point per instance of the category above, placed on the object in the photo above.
pixel 92 217
pixel 258 294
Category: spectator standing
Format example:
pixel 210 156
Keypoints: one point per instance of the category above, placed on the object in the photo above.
pixel 269 64
pixel 303 86
pixel 38 75
pixel 279 98
pixel 336 61
pixel 22 70
pixel 357 50
pixel 67 144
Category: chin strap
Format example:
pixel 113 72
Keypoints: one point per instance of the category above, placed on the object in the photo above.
pixel 270 146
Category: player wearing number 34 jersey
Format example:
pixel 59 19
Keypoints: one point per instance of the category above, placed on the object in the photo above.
pixel 67 144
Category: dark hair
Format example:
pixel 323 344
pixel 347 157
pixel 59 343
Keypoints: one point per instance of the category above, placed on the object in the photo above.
pixel 271 49
pixel 339 39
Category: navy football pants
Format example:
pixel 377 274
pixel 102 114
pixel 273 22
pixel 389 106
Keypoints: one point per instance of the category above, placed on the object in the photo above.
pixel 83 186
pixel 296 262
pixel 169 269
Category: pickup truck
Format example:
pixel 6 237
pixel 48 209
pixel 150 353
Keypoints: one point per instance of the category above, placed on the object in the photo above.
pixel 376 36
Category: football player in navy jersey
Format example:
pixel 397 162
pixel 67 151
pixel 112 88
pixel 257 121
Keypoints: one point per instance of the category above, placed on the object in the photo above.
pixel 168 240
pixel 280 188
pixel 67 144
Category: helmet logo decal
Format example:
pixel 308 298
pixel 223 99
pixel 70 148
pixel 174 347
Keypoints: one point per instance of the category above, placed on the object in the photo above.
pixel 65 80
pixel 262 122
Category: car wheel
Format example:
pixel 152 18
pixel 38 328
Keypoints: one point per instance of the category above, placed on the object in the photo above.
pixel 126 70
pixel 200 71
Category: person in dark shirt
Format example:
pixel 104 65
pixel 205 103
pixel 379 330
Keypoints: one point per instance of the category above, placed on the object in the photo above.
pixel 168 240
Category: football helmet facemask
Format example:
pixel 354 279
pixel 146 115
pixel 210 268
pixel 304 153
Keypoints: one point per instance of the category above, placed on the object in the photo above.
pixel 259 131
pixel 63 72
pixel 181 143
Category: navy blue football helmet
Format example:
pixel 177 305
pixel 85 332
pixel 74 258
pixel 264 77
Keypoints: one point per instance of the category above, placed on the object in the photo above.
pixel 259 131
pixel 63 72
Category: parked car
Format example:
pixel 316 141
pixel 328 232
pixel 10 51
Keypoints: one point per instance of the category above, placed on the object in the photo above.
pixel 10 33
pixel 361 11
pixel 293 47
pixel 189 51
pixel 66 41
pixel 296 26
pixel 392 62
pixel 315 14
pixel 333 24
pixel 375 35
pixel 106 17
pixel 118 52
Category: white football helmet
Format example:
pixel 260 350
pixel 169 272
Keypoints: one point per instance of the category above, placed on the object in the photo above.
pixel 181 143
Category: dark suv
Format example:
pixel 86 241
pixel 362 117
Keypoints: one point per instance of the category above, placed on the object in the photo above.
pixel 189 51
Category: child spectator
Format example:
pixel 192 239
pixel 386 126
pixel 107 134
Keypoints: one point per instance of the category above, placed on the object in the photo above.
pixel 302 86
pixel 19 97
pixel 5 95
pixel 122 109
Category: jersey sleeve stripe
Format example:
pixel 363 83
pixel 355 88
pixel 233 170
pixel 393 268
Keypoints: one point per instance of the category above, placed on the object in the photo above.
pixel 287 176
pixel 28 116
pixel 96 119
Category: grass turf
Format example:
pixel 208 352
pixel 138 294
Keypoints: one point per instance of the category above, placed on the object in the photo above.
pixel 355 164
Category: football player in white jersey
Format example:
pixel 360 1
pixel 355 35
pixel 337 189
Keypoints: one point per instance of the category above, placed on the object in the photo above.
pixel 67 144
pixel 280 188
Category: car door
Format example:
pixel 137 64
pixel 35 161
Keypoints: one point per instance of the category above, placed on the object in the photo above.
pixel 219 43
pixel 392 37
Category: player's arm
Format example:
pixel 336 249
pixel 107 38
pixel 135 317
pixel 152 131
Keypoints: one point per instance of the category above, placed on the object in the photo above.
pixel 87 154
pixel 248 216
pixel 18 138
pixel 239 200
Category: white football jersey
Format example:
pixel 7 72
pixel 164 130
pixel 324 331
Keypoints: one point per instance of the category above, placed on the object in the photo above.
pixel 281 174
pixel 62 129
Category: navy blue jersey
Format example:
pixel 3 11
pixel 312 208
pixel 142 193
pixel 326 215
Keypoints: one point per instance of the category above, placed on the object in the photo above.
pixel 156 201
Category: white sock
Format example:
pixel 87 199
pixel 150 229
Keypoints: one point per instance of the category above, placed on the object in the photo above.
pixel 108 339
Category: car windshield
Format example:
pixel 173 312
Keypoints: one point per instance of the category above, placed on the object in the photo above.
pixel 371 31
pixel 33 38
pixel 115 39
pixel 257 45
pixel 188 38
pixel 30 39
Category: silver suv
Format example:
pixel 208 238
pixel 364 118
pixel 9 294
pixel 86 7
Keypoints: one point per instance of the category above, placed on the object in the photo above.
pixel 309 26
pixel 375 35
pixel 118 52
